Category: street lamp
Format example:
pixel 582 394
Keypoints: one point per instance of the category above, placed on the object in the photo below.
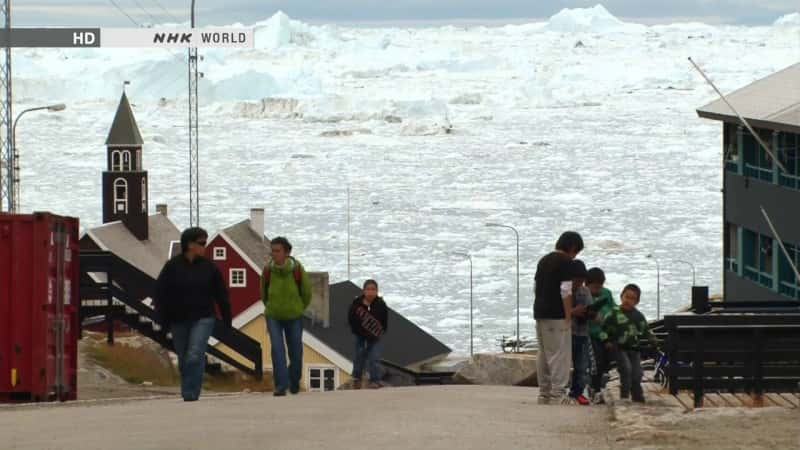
pixel 658 286
pixel 694 277
pixel 12 171
pixel 469 257
pixel 516 233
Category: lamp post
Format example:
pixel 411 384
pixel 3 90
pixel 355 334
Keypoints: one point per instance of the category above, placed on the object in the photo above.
pixel 15 164
pixel 658 286
pixel 694 273
pixel 471 340
pixel 516 233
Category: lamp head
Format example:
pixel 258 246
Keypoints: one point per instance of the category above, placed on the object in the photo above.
pixel 57 107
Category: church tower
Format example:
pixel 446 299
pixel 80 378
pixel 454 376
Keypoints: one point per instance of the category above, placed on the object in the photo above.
pixel 125 181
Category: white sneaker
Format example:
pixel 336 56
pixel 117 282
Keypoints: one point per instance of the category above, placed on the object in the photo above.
pixel 598 399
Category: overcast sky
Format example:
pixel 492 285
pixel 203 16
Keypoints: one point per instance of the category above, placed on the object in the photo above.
pixel 103 13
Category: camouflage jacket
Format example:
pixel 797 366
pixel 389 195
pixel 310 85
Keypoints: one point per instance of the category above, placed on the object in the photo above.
pixel 626 329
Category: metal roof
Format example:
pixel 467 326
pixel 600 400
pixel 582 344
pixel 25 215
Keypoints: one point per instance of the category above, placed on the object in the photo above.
pixel 405 344
pixel 124 130
pixel 255 247
pixel 772 102
pixel 148 256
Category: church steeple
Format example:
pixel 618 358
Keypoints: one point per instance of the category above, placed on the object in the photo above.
pixel 125 180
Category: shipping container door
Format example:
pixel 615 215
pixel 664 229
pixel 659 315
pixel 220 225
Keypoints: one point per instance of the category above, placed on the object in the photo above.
pixel 5 305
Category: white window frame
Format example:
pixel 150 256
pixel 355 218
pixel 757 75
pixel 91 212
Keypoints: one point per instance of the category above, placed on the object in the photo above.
pixel 126 161
pixel 222 256
pixel 244 278
pixel 144 195
pixel 322 368
pixel 116 161
pixel 138 159
pixel 120 201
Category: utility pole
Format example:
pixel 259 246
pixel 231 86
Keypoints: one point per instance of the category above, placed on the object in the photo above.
pixel 194 143
pixel 348 234
pixel 8 176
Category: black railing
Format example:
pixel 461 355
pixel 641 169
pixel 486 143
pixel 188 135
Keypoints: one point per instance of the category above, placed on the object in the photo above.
pixel 145 319
pixel 753 353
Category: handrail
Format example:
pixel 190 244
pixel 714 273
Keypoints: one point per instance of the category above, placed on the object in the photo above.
pixel 250 349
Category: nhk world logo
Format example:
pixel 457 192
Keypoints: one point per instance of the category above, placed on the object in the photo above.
pixel 128 37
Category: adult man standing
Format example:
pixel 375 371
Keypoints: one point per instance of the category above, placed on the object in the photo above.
pixel 286 293
pixel 552 311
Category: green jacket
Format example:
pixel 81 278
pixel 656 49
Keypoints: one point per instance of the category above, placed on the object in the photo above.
pixel 604 303
pixel 626 329
pixel 283 299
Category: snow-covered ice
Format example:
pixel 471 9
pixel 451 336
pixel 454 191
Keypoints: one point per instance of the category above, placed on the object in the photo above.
pixel 437 130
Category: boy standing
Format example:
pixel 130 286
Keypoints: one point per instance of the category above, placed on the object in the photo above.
pixel 581 297
pixel 601 307
pixel 622 330
pixel 553 314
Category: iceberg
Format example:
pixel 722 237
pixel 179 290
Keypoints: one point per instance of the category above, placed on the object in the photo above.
pixel 596 20
pixel 788 20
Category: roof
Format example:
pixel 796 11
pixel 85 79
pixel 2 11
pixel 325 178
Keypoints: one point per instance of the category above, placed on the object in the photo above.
pixel 772 102
pixel 247 242
pixel 405 344
pixel 148 256
pixel 124 130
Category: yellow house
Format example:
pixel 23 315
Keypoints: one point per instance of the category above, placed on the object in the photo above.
pixel 324 369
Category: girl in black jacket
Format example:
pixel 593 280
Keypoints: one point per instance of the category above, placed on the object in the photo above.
pixel 368 319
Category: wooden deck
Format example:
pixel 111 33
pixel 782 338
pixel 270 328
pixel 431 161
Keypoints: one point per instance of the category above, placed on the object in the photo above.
pixel 685 400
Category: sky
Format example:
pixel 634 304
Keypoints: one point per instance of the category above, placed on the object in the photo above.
pixel 104 13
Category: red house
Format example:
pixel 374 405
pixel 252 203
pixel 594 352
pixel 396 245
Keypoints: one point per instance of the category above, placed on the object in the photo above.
pixel 241 252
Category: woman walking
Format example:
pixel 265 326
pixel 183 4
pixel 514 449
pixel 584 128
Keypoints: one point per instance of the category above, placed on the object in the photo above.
pixel 368 319
pixel 186 292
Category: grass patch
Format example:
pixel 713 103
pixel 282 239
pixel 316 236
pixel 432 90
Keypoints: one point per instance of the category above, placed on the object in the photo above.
pixel 134 364
pixel 237 382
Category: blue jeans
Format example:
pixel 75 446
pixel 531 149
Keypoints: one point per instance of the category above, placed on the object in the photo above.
pixel 368 352
pixel 580 363
pixel 190 340
pixel 293 331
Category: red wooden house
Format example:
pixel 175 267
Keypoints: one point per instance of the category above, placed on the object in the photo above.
pixel 241 252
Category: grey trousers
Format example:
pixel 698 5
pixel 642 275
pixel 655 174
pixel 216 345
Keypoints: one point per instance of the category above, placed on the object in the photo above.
pixel 555 357
pixel 629 366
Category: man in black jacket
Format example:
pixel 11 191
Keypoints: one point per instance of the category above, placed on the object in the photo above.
pixel 368 318
pixel 186 292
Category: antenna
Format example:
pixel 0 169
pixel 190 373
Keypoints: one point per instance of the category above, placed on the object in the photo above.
pixel 194 143
pixel 745 122
pixel 7 162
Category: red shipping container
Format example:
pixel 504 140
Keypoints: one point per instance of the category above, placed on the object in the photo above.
pixel 39 300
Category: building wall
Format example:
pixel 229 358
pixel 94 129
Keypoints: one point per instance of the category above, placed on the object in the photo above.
pixel 742 290
pixel 744 198
pixel 257 329
pixel 241 297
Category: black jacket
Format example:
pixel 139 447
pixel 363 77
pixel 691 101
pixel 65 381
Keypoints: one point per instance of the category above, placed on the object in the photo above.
pixel 186 291
pixel 363 319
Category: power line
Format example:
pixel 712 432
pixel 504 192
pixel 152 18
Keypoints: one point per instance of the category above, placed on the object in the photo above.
pixel 123 12
pixel 160 5
pixel 152 17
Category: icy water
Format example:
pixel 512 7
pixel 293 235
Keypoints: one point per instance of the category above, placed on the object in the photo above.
pixel 547 135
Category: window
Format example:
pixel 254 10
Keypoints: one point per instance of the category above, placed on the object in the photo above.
pixel 732 248
pixel 138 160
pixel 757 163
pixel 144 195
pixel 126 161
pixel 238 278
pixel 116 161
pixel 322 379
pixel 121 195
pixel 787 281
pixel 220 253
pixel 757 258
pixel 731 147
pixel 789 155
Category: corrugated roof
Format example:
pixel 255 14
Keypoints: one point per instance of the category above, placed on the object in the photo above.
pixel 124 130
pixel 774 100
pixel 255 247
pixel 405 344
pixel 148 256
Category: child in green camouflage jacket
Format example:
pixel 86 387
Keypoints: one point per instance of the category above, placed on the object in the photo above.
pixel 621 333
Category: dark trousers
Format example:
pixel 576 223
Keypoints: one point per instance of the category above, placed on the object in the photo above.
pixel 580 363
pixel 629 366
pixel 286 377
pixel 368 353
pixel 190 340
pixel 602 358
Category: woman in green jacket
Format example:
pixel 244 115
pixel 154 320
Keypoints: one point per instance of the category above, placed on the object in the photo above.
pixel 286 293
